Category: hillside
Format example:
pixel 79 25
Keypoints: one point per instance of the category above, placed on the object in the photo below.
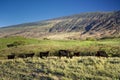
pixel 79 26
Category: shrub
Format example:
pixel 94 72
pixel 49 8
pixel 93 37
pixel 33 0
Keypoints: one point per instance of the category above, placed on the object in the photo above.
pixel 19 43
pixel 16 43
pixel 90 39
pixel 45 39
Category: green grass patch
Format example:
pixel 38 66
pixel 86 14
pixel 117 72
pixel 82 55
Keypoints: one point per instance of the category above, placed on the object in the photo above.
pixel 111 46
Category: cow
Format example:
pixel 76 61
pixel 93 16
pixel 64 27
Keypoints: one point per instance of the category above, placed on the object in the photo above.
pixel 10 45
pixel 66 53
pixel 46 54
pixel 21 56
pixel 26 55
pixel 101 54
pixel 12 56
pixel 29 55
pixel 77 54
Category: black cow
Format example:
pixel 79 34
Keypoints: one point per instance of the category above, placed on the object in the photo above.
pixel 77 54
pixel 12 56
pixel 26 55
pixel 29 55
pixel 21 56
pixel 101 54
pixel 66 53
pixel 10 45
pixel 46 54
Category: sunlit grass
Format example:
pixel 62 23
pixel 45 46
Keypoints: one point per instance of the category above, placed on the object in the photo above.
pixel 54 45
pixel 53 68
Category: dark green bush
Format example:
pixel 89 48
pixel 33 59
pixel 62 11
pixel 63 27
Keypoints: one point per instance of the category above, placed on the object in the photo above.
pixel 16 43
pixel 91 39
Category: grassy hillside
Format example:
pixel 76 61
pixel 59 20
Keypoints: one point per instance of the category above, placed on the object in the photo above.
pixel 52 68
pixel 87 47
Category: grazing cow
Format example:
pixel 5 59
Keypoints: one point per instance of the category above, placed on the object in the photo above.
pixel 21 56
pixel 77 54
pixel 46 54
pixel 12 56
pixel 10 45
pixel 65 53
pixel 101 54
pixel 26 55
pixel 29 55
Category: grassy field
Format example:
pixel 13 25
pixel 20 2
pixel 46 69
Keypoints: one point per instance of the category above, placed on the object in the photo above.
pixel 85 67
pixel 53 68
pixel 111 46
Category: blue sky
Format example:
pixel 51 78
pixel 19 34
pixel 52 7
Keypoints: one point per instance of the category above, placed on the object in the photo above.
pixel 22 11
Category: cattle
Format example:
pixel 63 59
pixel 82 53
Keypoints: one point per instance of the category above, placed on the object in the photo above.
pixel 65 53
pixel 10 45
pixel 12 56
pixel 46 54
pixel 101 54
pixel 21 56
pixel 30 55
pixel 26 55
pixel 77 54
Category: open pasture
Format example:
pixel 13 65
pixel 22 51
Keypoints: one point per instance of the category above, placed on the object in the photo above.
pixel 86 47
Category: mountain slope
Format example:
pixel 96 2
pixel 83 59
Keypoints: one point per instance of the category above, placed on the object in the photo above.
pixel 95 24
